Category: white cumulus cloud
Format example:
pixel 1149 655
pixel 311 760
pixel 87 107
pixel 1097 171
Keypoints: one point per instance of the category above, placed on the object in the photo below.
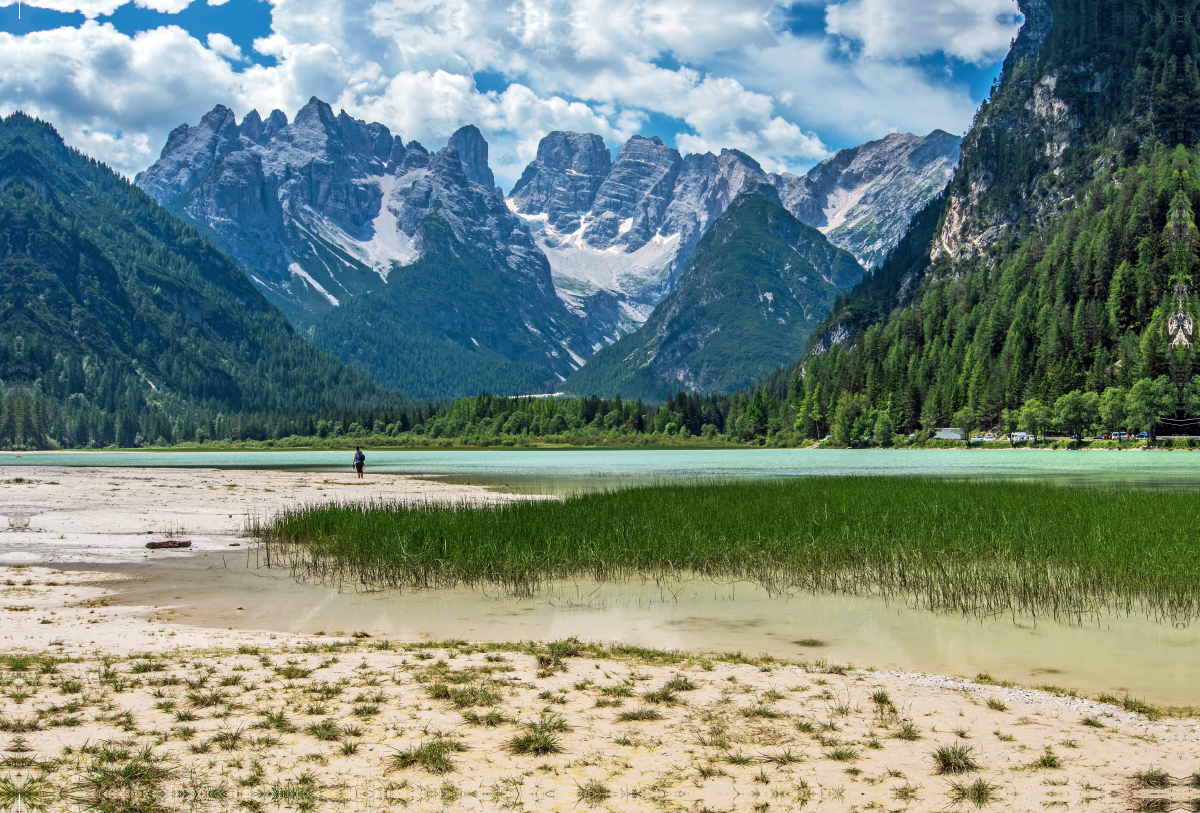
pixel 723 73
pixel 971 30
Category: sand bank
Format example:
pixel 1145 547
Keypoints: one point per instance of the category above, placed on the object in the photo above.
pixel 369 725
pixel 106 515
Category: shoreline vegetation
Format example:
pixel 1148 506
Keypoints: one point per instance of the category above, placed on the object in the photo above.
pixel 383 442
pixel 976 548
pixel 779 414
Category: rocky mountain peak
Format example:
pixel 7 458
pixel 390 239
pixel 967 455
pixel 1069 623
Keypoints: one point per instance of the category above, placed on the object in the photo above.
pixel 563 180
pixel 631 203
pixel 190 152
pixel 863 198
pixel 473 153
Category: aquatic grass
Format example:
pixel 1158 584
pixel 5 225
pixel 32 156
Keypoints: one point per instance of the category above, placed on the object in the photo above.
pixel 977 548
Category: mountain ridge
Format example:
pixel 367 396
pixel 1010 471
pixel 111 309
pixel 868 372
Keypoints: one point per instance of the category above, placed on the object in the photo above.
pixel 757 284
pixel 1059 270
pixel 109 298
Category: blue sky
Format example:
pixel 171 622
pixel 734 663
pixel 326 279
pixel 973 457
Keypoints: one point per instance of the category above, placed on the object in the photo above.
pixel 787 83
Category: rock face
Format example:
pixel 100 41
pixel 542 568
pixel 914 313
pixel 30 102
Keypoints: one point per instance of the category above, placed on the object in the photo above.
pixel 983 203
pixel 562 181
pixel 626 229
pixel 629 229
pixel 323 211
pixel 758 283
pixel 863 198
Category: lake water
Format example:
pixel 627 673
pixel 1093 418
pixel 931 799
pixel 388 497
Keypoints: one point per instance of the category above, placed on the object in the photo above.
pixel 1156 661
pixel 560 472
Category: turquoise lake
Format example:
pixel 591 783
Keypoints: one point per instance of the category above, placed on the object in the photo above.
pixel 560 472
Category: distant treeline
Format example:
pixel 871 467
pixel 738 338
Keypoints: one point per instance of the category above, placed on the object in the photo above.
pixel 780 411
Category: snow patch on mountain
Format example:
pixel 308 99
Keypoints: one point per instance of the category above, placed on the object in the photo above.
pixel 297 271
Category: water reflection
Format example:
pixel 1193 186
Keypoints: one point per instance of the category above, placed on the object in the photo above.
pixel 1158 662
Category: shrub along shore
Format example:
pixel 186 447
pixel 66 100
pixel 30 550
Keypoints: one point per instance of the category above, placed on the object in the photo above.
pixel 979 548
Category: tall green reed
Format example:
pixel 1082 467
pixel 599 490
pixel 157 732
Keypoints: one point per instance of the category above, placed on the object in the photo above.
pixel 980 548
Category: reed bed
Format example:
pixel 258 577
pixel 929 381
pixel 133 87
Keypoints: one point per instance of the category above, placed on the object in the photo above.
pixel 979 548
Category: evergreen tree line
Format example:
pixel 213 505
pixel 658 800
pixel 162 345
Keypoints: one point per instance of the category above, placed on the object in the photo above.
pixel 33 418
pixel 1078 317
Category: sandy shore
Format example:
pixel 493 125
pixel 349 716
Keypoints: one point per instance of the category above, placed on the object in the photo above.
pixel 106 515
pixel 252 720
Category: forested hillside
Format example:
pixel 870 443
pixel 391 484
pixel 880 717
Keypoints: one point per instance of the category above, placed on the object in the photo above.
pixel 120 324
pixel 1062 260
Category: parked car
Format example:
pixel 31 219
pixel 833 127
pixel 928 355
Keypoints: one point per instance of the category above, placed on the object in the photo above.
pixel 1142 435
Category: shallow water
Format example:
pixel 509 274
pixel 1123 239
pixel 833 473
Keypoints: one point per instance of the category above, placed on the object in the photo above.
pixel 1157 662
pixel 560 472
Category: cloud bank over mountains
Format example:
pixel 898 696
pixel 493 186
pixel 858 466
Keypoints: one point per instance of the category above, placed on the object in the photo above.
pixel 787 84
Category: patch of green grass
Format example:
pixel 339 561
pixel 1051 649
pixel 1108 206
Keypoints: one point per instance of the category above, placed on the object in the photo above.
pixel 433 756
pixel 908 731
pixel 680 683
pixel 593 792
pixel 639 715
pixel 533 742
pixel 1048 759
pixel 946 545
pixel 1152 779
pixel 759 710
pixel 492 719
pixel 979 793
pixel 463 697
pixel 664 695
pixel 1131 703
pixel 954 759
pixel 326 730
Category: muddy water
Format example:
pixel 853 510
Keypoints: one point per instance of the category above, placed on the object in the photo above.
pixel 1154 661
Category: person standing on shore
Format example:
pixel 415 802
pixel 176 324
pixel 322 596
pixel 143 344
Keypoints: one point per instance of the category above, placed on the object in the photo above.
pixel 360 461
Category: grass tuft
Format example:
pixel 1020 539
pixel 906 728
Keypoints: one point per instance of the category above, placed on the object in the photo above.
pixel 433 756
pixel 979 793
pixel 640 715
pixel 1152 779
pixel 955 759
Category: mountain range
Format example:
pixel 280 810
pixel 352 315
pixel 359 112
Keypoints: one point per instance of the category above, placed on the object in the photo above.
pixel 116 307
pixel 413 266
pixel 758 283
